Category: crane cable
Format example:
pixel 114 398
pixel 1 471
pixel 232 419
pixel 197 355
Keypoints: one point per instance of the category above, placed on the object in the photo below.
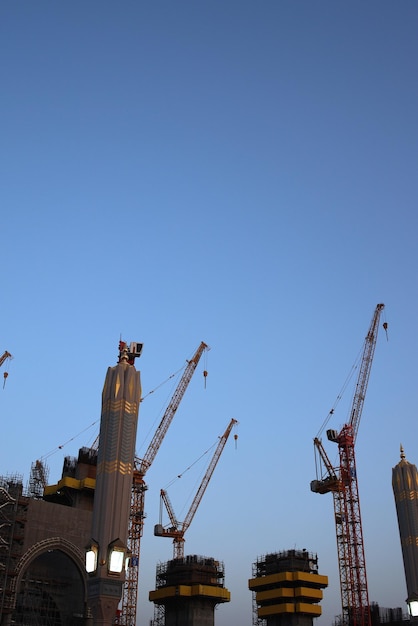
pixel 45 456
pixel 6 372
pixel 60 447
pixel 197 481
pixel 192 491
pixel 351 373
pixel 354 367
pixel 158 417
pixel 163 383
pixel 190 466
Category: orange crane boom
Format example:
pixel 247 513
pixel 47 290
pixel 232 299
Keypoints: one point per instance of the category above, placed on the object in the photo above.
pixel 342 483
pixel 139 487
pixel 177 529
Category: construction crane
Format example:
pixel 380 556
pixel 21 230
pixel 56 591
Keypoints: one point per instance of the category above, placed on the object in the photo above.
pixel 342 483
pixel 177 529
pixel 3 357
pixel 139 487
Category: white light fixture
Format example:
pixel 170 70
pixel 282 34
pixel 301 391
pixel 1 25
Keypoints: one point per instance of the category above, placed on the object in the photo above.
pixel 413 608
pixel 92 553
pixel 117 554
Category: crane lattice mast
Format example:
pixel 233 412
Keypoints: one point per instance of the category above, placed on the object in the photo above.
pixel 178 529
pixel 342 483
pixel 139 487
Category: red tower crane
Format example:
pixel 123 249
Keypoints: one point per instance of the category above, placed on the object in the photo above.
pixel 178 529
pixel 139 487
pixel 342 483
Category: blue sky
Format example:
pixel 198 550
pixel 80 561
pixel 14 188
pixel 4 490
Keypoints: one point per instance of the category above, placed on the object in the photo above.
pixel 240 173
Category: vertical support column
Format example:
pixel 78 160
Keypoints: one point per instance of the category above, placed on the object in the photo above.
pixel 405 491
pixel 115 465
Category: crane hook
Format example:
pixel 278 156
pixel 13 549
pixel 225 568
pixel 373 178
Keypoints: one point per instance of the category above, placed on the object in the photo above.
pixel 385 326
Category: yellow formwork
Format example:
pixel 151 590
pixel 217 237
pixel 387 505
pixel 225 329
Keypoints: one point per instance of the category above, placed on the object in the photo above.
pixel 264 581
pixel 276 609
pixel 288 592
pixel 288 607
pixel 271 579
pixel 309 609
pixel 219 593
pixel 315 579
pixel 271 594
pixel 309 593
pixel 70 483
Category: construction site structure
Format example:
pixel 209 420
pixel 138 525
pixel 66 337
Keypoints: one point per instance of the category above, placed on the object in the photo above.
pixel 187 590
pixel 287 588
pixel 128 609
pixel 342 483
pixel 42 541
pixel 44 532
pixel 176 529
pixel 77 483
pixel 405 491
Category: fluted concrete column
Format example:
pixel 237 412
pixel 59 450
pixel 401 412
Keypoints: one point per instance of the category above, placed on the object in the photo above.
pixel 112 499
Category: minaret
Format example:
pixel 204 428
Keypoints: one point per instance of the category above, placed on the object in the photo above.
pixel 107 554
pixel 405 490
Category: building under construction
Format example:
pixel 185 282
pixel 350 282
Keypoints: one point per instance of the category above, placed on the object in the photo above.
pixel 42 544
pixel 47 533
pixel 287 588
pixel 187 591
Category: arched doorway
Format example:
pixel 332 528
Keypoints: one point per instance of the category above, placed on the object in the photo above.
pixel 51 592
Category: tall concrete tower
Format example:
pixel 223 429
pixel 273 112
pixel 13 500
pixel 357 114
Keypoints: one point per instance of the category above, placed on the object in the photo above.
pixel 405 490
pixel 106 555
pixel 287 588
pixel 188 591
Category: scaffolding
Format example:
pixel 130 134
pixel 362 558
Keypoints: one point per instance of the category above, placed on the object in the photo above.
pixel 39 474
pixel 290 560
pixel 286 588
pixel 13 515
pixel 189 576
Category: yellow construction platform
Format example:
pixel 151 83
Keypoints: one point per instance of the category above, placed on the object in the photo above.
pixel 300 607
pixel 316 580
pixel 188 591
pixel 299 593
pixel 70 483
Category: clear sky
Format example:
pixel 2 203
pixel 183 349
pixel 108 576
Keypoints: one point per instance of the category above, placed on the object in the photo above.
pixel 242 173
